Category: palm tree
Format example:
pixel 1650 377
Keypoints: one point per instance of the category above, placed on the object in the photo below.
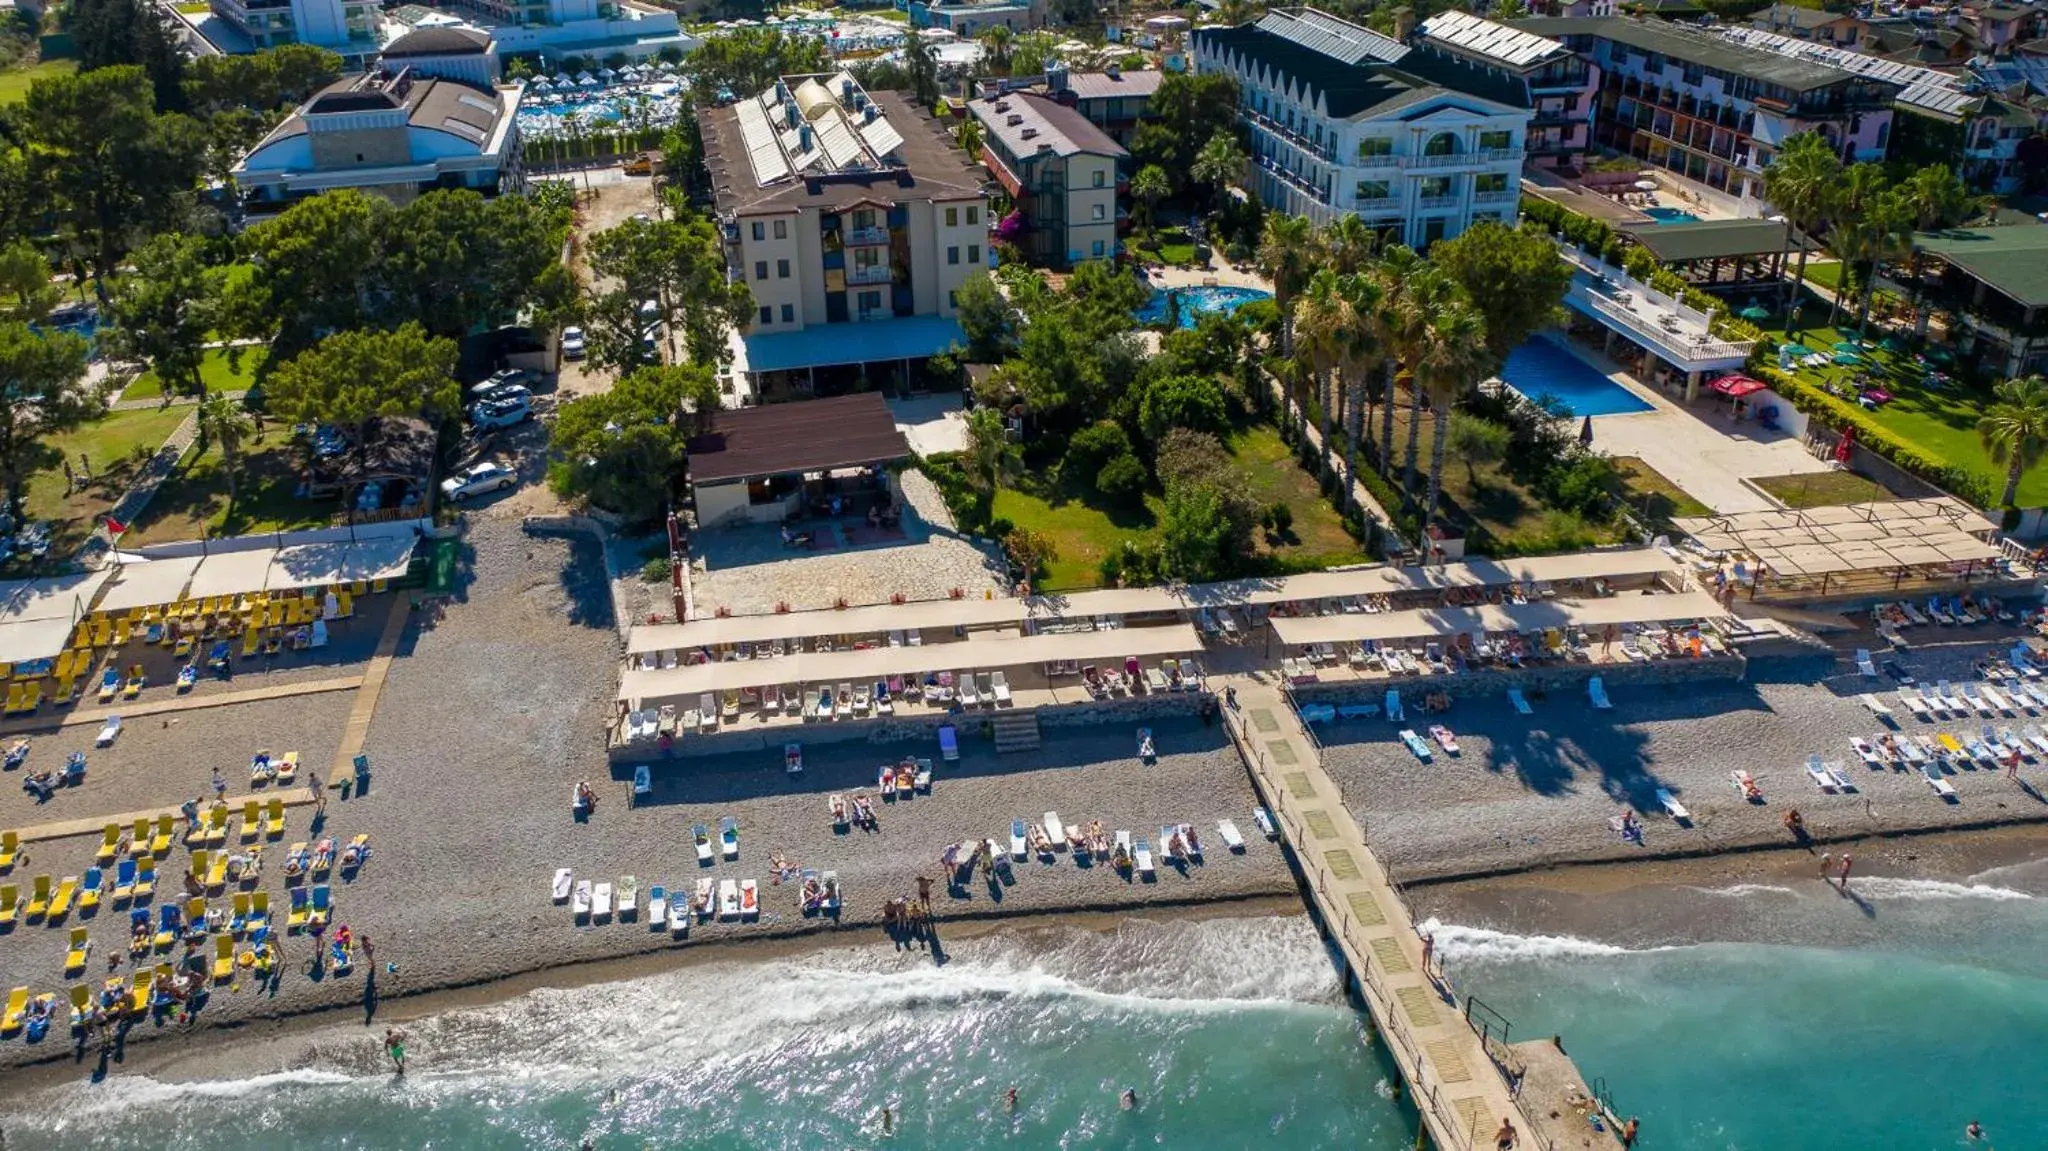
pixel 1366 298
pixel 988 445
pixel 1286 253
pixel 1889 223
pixel 1220 163
pixel 223 424
pixel 1326 322
pixel 1857 236
pixel 1395 269
pixel 2015 429
pixel 1453 361
pixel 997 39
pixel 1938 199
pixel 1348 243
pixel 1800 182
pixel 1150 186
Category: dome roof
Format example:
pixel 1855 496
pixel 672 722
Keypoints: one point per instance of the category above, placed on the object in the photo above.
pixel 441 41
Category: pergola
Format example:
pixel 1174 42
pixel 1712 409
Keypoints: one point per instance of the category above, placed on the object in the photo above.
pixel 1854 548
pixel 1702 249
pixel 1529 617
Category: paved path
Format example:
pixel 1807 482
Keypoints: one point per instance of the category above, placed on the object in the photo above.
pixel 357 731
pixel 83 717
pixel 1462 1095
pixel 1392 541
pixel 92 553
pixel 95 825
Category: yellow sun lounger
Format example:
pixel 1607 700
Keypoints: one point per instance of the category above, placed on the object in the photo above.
pixel 259 912
pixel 81 1005
pixel 195 915
pixel 223 959
pixel 138 1000
pixel 81 942
pixel 60 903
pixel 17 1006
pixel 38 899
pixel 217 824
pixel 145 878
pixel 274 825
pixel 110 838
pixel 288 767
pixel 240 921
pixel 217 872
pixel 10 903
pixel 10 849
pixel 138 836
pixel 252 640
pixel 1949 743
pixel 160 843
pixel 252 820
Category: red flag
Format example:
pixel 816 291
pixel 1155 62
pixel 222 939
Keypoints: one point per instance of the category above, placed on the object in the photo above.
pixel 114 526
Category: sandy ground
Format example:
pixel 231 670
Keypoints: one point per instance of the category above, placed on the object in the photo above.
pixel 1531 791
pixel 612 199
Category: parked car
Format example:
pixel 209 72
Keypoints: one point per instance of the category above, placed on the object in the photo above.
pixel 500 413
pixel 504 392
pixel 479 480
pixel 573 345
pixel 509 378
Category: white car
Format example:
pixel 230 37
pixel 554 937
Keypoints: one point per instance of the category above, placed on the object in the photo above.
pixel 573 345
pixel 479 480
pixel 485 415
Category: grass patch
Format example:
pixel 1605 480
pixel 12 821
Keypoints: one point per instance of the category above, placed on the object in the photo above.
pixel 1824 489
pixel 1509 518
pixel 215 371
pixel 14 82
pixel 1649 491
pixel 115 449
pixel 1083 530
pixel 1166 246
pixel 194 501
pixel 1828 275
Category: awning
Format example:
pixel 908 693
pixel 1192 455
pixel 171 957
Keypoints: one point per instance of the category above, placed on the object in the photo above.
pixel 1736 387
pixel 232 573
pixel 1525 617
pixel 150 583
pixel 341 561
pixel 874 619
pixel 26 641
pixel 52 597
pixel 827 345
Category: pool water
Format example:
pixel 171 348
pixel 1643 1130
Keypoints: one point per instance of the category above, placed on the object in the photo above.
pixel 1194 301
pixel 1670 216
pixel 1541 368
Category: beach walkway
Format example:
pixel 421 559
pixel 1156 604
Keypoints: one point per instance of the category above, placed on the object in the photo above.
pixel 1461 1093
pixel 94 825
pixel 357 733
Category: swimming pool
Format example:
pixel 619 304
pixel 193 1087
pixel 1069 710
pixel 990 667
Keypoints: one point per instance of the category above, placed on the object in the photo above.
pixel 1670 216
pixel 1541 368
pixel 1194 301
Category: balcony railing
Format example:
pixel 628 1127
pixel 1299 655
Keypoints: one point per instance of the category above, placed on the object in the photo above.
pixel 1499 197
pixel 1428 202
pixel 1323 151
pixel 1460 159
pixel 871 274
pixel 1291 180
pixel 1376 204
pixel 867 235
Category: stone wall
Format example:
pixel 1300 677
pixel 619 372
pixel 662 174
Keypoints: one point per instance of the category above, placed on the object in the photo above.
pixel 1549 678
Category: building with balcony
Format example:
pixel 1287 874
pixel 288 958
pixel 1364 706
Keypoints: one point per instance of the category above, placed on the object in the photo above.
pixel 1995 282
pixel 391 133
pixel 1417 143
pixel 345 26
pixel 1714 110
pixel 842 208
pixel 1060 171
pixel 1559 82
pixel 1661 339
pixel 970 18
pixel 359 29
pixel 1113 100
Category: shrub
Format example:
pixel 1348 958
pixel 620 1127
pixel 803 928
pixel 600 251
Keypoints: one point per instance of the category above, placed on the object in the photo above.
pixel 1122 479
pixel 656 570
pixel 1096 445
pixel 1835 413
pixel 1283 517
pixel 1111 569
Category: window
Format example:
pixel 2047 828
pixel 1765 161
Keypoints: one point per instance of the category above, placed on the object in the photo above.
pixel 1097 248
pixel 767 314
pixel 1098 179
pixel 789 313
pixel 974 254
pixel 952 217
pixel 760 269
pixel 864 218
pixel 1372 190
pixel 973 216
pixel 781 230
pixel 782 269
pixel 1436 186
pixel 1496 141
pixel 953 254
pixel 870 302
pixel 1490 182
pixel 1098 212
pixel 760 230
pixel 1441 144
pixel 952 299
pixel 1373 146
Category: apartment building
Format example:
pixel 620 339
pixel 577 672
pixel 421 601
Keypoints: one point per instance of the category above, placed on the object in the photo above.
pixel 342 25
pixel 1842 29
pixel 1417 143
pixel 843 208
pixel 1560 84
pixel 970 18
pixel 357 28
pixel 1113 100
pixel 1714 110
pixel 1060 170
pixel 392 133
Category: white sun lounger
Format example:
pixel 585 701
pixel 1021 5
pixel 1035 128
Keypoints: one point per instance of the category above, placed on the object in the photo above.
pixel 1911 750
pixel 1977 700
pixel 1876 705
pixel 1819 774
pixel 1597 693
pixel 562 885
pixel 1864 663
pixel 968 696
pixel 750 899
pixel 629 895
pixel 657 907
pixel 1950 701
pixel 707 712
pixel 1055 830
pixel 1393 706
pixel 1143 853
pixel 707 898
pixel 1020 844
pixel 1671 805
pixel 728 899
pixel 1863 749
pixel 680 914
pixel 1998 699
pixel 581 903
pixel 1231 838
pixel 1910 696
pixel 703 838
pixel 860 698
pixel 1941 786
pixel 729 836
pixel 1520 701
pixel 2033 735
pixel 1841 778
pixel 842 702
pixel 999 684
pixel 601 901
pixel 1913 613
pixel 109 731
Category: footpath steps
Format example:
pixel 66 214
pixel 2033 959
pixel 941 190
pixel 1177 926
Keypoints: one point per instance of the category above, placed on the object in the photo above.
pixel 1015 730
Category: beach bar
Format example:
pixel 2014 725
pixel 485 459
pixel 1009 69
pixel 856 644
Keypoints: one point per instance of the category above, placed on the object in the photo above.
pixel 1855 550
pixel 769 464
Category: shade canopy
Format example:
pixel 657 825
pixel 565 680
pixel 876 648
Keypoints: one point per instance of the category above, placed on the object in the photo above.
pixel 232 573
pixel 50 597
pixel 1850 538
pixel 1524 617
pixel 29 640
pixel 1736 387
pixel 150 583
pixel 338 562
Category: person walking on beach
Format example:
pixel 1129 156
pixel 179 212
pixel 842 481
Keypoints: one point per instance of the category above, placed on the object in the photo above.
pixel 1507 1137
pixel 1846 861
pixel 1827 864
pixel 1428 953
pixel 394 1046
pixel 220 786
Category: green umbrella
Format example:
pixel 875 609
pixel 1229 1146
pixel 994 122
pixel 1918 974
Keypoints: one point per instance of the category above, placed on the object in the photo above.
pixel 1755 312
pixel 1796 349
pixel 1939 355
pixel 1848 346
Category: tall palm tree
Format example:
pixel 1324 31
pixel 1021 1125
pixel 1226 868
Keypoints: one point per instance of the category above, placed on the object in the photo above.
pixel 1800 182
pixel 1285 256
pixel 1938 199
pixel 988 445
pixel 1325 323
pixel 1348 243
pixel 1889 223
pixel 1361 352
pixel 1857 236
pixel 1453 361
pixel 1395 271
pixel 997 39
pixel 222 423
pixel 2015 429
pixel 1424 292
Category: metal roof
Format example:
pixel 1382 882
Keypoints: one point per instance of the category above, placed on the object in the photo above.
pixel 2012 259
pixel 1854 537
pixel 1510 46
pixel 1710 239
pixel 1920 87
pixel 1695 46
pixel 1323 33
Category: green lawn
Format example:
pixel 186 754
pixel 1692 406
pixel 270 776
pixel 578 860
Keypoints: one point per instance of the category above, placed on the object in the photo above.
pixel 1827 275
pixel 1649 491
pixel 1509 517
pixel 194 501
pixel 14 82
pixel 1824 489
pixel 1167 246
pixel 214 371
pixel 111 449
pixel 1082 533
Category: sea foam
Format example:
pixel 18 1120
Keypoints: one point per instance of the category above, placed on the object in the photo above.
pixel 1485 945
pixel 1887 887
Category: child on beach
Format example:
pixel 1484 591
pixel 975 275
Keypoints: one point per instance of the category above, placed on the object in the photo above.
pixel 394 1046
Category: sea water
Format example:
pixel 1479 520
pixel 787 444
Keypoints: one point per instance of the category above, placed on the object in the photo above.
pixel 1807 1021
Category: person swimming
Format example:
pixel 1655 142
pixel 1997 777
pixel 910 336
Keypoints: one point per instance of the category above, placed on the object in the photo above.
pixel 1129 1100
pixel 1975 1130
pixel 1010 1100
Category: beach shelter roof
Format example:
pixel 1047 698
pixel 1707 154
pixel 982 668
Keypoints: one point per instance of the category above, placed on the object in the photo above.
pixel 28 640
pixel 63 597
pixel 1526 617
pixel 149 583
pixel 875 619
pixel 1853 537
pixel 232 573
pixel 339 561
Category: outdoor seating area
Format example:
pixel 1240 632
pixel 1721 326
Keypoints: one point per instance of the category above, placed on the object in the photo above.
pixel 1850 551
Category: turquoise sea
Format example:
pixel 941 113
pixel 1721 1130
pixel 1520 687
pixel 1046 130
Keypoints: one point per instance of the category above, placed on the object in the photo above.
pixel 1889 1027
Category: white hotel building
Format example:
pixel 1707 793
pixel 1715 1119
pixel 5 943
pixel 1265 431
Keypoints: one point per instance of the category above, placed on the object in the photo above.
pixel 1415 142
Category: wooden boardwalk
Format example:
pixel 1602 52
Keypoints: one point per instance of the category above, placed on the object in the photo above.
pixel 1462 1094
pixel 357 731
pixel 64 829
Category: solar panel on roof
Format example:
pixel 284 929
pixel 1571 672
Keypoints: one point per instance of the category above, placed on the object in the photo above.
pixel 1498 41
pixel 836 137
pixel 1889 71
pixel 1329 36
pixel 460 128
pixel 881 136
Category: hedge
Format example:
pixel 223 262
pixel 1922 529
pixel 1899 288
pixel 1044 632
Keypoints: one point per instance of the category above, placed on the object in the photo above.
pixel 1836 413
pixel 1597 236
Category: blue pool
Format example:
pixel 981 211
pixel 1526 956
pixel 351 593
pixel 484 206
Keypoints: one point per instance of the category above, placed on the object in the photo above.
pixel 1670 216
pixel 1196 300
pixel 1541 368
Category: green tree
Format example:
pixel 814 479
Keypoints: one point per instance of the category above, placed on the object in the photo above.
pixel 1454 359
pixel 1150 186
pixel 165 309
pixel 1219 164
pixel 1514 276
pixel 1194 108
pixel 311 262
pixel 1347 243
pixel 743 61
pixel 223 424
pixel 622 449
pixel 1862 209
pixel 986 318
pixel 1477 441
pixel 680 265
pixel 1325 324
pixel 996 41
pixel 1366 298
pixel 457 262
pixel 1286 255
pixel 41 396
pixel 1938 199
pixel 1800 182
pixel 1188 401
pixel 988 448
pixel 2015 428
pixel 112 33
pixel 351 376
pixel 25 276
pixel 258 81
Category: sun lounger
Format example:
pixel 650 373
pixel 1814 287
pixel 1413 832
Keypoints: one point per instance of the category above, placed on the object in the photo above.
pixel 968 695
pixel 89 889
pixel 707 712
pixel 750 899
pixel 949 743
pixel 706 901
pixel 657 907
pixel 680 912
pixel 1975 699
pixel 729 837
pixel 562 884
pixel 601 900
pixel 109 732
pixel 1915 703
pixel 1054 829
pixel 1997 699
pixel 1392 706
pixel 860 699
pixel 1876 705
pixel 2033 735
pixel 884 703
pixel 1596 692
pixel 629 896
pixel 728 899
pixel 704 849
pixel 1155 680
pixel 1819 774
pixel 252 820
pixel 999 688
pixel 1019 843
pixel 1142 852
pixel 1229 832
pixel 922 780
pixel 1868 753
pixel 1941 786
pixel 1864 663
pixel 1951 701
pixel 1520 701
pixel 1672 807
